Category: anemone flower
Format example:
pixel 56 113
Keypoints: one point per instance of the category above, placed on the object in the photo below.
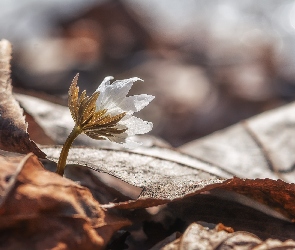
pixel 106 115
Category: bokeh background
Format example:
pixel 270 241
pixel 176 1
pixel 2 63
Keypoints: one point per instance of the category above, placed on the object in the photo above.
pixel 210 63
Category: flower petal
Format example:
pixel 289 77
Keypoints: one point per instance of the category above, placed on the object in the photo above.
pixel 125 141
pixel 119 138
pixel 102 88
pixel 135 103
pixel 113 94
pixel 106 81
pixel 136 125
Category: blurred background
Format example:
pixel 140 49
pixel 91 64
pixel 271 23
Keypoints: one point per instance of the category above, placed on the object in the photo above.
pixel 210 63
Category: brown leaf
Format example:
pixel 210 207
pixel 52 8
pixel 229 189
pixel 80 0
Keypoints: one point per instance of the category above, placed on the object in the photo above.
pixel 36 132
pixel 13 128
pixel 199 237
pixel 54 211
pixel 215 208
pixel 276 194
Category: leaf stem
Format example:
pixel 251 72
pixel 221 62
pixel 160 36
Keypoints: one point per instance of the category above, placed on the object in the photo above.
pixel 65 150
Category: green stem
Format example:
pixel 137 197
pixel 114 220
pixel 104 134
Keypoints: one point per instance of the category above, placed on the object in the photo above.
pixel 65 150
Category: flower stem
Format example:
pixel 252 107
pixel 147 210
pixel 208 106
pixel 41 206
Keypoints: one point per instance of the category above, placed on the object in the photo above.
pixel 65 150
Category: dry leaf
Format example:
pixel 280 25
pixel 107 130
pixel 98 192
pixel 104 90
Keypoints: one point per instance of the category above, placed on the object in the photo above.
pixel 165 180
pixel 273 244
pixel 13 128
pixel 55 119
pixel 261 147
pixel 211 208
pixel 199 237
pixel 162 180
pixel 54 212
pixel 276 194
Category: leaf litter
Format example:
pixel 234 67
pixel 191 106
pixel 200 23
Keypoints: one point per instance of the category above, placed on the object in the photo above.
pixel 252 149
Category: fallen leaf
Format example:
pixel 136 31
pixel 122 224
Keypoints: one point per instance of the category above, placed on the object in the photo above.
pixel 55 119
pixel 275 244
pixel 199 237
pixel 212 207
pixel 164 180
pixel 13 128
pixel 257 148
pixel 36 132
pixel 276 194
pixel 54 212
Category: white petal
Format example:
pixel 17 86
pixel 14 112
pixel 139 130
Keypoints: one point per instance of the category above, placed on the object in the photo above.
pixel 102 89
pixel 135 103
pixel 106 81
pixel 104 84
pixel 136 125
pixel 113 94
pixel 119 138
pixel 125 141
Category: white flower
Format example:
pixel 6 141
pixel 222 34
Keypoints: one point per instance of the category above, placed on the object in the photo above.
pixel 108 113
pixel 112 98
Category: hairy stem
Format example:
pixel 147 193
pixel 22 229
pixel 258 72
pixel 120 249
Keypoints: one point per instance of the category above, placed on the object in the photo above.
pixel 65 150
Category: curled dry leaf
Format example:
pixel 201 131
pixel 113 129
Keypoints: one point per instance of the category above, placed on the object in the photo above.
pixel 13 128
pixel 199 237
pixel 276 194
pixel 54 211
